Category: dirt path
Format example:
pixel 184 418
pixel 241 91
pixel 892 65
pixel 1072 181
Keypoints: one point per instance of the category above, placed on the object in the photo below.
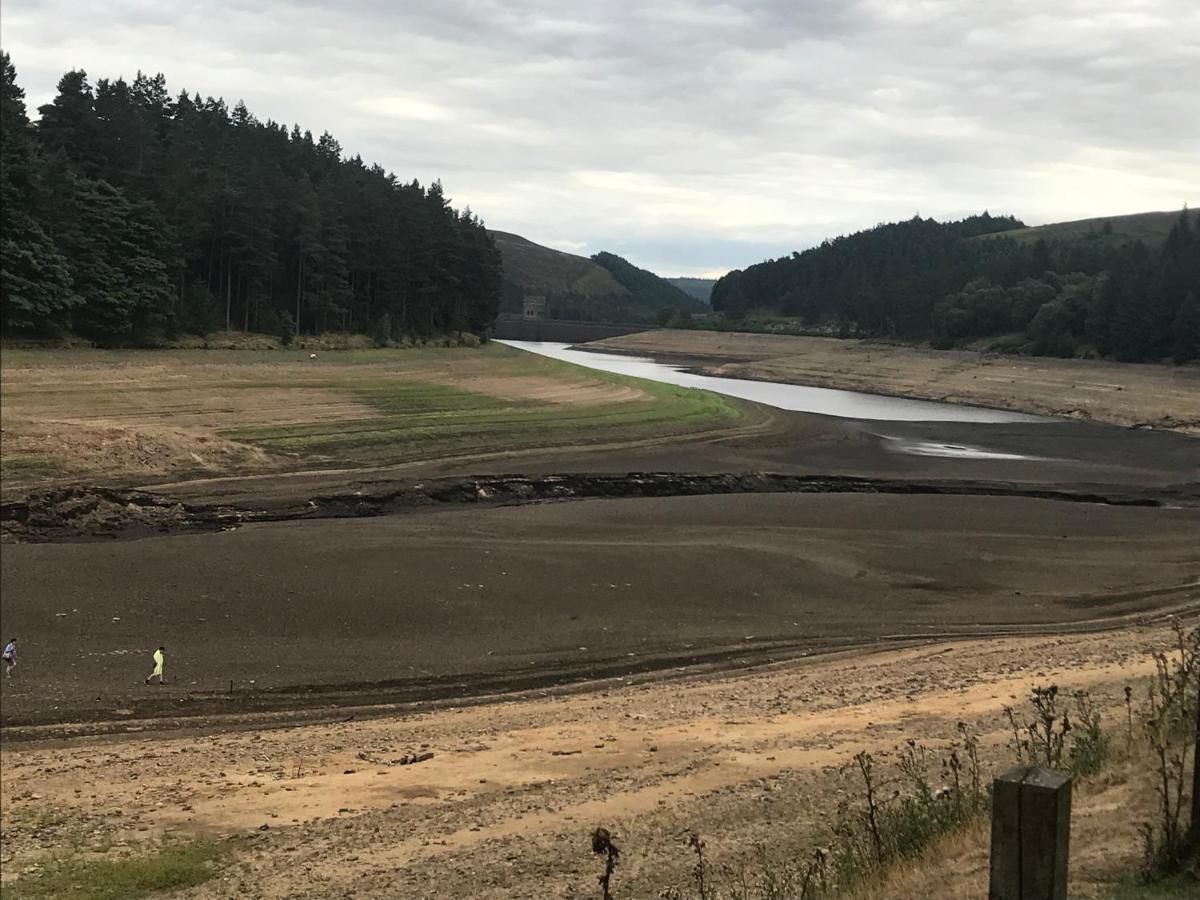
pixel 1157 396
pixel 504 806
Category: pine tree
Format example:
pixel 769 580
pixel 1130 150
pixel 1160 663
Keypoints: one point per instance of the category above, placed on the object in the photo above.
pixel 69 126
pixel 35 285
pixel 128 213
pixel 1186 330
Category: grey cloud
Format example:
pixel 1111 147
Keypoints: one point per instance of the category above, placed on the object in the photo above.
pixel 693 136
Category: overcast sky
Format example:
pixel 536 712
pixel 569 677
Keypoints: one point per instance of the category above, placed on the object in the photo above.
pixel 691 137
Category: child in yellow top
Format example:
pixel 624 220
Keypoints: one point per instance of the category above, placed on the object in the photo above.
pixel 158 666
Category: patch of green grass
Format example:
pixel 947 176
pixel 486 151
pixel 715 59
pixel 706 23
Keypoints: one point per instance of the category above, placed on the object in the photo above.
pixel 76 878
pixel 1178 887
pixel 417 419
pixel 27 465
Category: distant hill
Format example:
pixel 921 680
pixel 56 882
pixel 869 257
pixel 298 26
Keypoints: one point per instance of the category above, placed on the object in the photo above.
pixel 700 288
pixel 647 289
pixel 605 288
pixel 1149 227
pixel 542 271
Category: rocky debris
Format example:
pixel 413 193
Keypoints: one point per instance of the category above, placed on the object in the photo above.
pixel 91 510
pixel 407 759
pixel 74 511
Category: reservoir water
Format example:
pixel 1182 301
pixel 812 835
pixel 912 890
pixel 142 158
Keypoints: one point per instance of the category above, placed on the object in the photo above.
pixel 795 397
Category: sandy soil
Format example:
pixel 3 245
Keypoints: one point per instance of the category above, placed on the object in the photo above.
pixel 1166 397
pixel 504 806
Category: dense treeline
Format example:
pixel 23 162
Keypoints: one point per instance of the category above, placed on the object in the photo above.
pixel 654 299
pixel 957 282
pixel 129 216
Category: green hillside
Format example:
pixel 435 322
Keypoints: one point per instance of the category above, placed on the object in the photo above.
pixel 1149 227
pixel 700 288
pixel 543 271
pixel 605 288
pixel 651 293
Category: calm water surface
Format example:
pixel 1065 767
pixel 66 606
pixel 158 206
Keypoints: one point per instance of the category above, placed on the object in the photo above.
pixel 795 397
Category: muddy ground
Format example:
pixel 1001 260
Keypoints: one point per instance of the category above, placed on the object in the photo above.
pixel 778 534
pixel 721 548
pixel 504 805
pixel 460 601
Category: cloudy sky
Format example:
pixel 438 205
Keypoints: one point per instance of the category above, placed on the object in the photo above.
pixel 691 137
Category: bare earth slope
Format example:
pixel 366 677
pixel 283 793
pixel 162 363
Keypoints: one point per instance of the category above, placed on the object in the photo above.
pixel 505 805
pixel 1166 397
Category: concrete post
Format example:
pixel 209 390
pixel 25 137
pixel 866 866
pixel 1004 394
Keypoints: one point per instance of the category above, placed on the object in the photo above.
pixel 1031 833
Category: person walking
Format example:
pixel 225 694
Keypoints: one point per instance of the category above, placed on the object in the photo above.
pixel 10 657
pixel 158 666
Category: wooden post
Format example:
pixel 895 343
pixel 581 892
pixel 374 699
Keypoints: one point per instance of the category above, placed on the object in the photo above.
pixel 1031 833
pixel 1196 775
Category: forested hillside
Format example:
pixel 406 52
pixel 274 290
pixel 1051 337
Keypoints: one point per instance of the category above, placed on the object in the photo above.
pixel 1067 293
pixel 655 298
pixel 700 288
pixel 130 216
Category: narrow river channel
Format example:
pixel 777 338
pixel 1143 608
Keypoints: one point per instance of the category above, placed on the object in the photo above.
pixel 800 398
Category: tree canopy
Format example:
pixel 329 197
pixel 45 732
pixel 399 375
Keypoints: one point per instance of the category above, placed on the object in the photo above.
pixel 957 282
pixel 652 299
pixel 130 214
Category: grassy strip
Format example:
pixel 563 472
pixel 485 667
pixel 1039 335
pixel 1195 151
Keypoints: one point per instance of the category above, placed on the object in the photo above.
pixel 419 418
pixel 403 405
pixel 74 878
pixel 28 465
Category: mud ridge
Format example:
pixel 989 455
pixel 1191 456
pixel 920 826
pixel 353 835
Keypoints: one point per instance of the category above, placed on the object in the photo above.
pixel 75 512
